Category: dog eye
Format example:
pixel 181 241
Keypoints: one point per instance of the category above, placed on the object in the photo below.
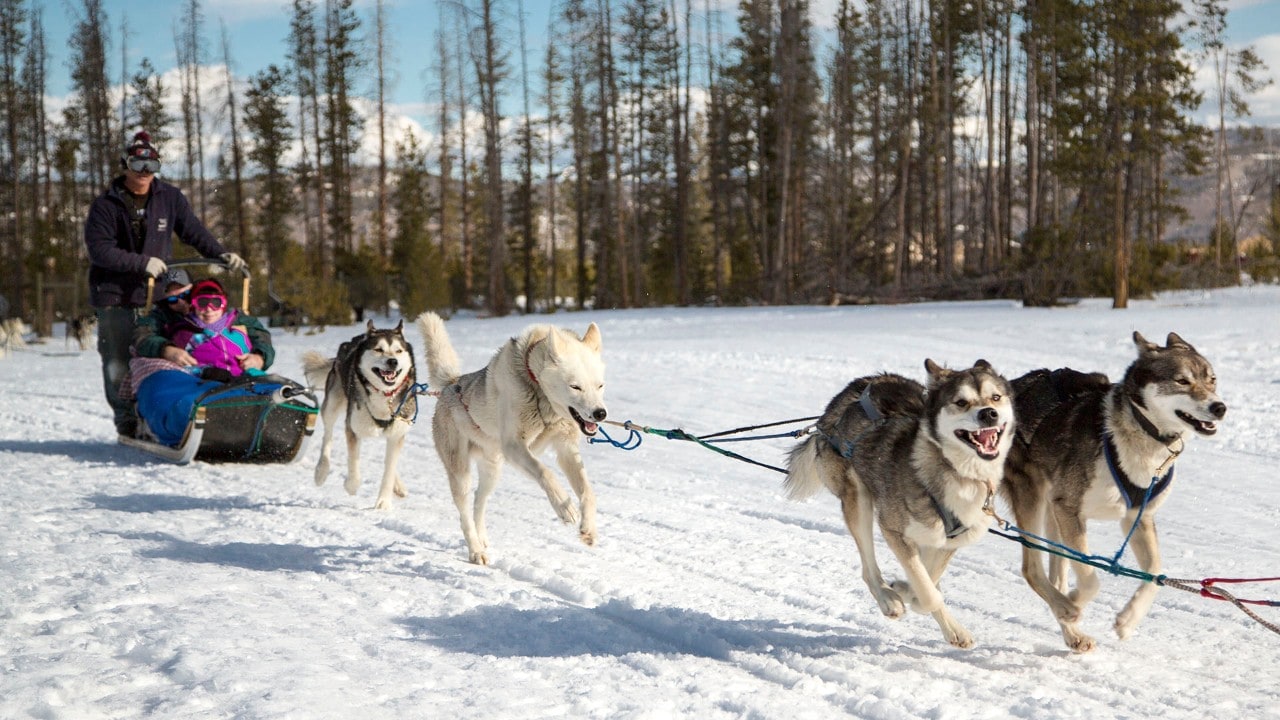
pixel 962 404
pixel 996 397
pixel 576 387
pixel 1183 381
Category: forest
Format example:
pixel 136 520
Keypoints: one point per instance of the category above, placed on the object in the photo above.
pixel 661 152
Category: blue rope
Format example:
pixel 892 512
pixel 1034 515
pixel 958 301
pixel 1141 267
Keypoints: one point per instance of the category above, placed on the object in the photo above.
pixel 414 390
pixel 631 443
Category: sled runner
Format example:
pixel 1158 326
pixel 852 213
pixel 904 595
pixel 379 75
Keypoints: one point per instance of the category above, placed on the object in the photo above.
pixel 254 418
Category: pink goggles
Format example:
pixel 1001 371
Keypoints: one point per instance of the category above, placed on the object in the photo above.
pixel 209 302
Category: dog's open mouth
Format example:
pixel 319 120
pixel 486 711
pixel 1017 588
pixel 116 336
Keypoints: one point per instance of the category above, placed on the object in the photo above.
pixel 985 441
pixel 1201 426
pixel 588 428
pixel 388 375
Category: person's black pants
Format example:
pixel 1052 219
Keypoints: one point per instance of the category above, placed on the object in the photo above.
pixel 115 337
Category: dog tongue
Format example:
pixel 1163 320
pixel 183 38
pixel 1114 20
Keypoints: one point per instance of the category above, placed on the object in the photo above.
pixel 988 438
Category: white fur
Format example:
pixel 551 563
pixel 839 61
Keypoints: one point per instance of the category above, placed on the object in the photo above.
pixel 360 421
pixel 521 402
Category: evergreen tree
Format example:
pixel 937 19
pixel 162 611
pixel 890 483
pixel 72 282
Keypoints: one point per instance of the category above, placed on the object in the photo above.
pixel 147 110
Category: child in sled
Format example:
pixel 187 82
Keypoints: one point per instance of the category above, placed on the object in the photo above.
pixel 192 342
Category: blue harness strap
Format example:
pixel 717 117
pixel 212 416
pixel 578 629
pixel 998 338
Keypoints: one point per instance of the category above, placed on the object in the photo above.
pixel 1133 495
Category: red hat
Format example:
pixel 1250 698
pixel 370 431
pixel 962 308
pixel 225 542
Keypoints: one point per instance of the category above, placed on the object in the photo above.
pixel 141 147
pixel 208 286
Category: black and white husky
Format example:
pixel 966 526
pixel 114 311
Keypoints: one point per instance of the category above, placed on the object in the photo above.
pixel 542 388
pixel 1092 450
pixel 373 380
pixel 924 464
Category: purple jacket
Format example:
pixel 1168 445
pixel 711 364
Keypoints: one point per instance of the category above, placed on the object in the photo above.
pixel 212 347
pixel 118 260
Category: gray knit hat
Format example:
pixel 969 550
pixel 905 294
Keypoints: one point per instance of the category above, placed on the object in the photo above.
pixel 174 275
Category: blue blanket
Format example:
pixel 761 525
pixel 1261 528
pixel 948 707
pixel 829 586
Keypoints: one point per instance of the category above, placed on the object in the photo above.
pixel 167 400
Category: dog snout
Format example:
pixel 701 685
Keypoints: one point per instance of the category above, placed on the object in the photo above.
pixel 599 414
pixel 392 363
pixel 988 416
pixel 1218 409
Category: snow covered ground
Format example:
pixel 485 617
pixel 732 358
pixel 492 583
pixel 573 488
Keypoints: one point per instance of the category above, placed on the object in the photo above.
pixel 131 588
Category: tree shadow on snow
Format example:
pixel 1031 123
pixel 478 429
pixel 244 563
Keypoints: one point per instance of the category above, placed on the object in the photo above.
pixel 617 628
pixel 264 557
pixel 161 502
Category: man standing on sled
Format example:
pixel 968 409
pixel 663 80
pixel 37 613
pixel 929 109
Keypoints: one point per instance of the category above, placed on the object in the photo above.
pixel 129 236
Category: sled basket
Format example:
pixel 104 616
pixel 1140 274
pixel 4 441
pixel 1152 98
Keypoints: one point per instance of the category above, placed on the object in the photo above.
pixel 263 419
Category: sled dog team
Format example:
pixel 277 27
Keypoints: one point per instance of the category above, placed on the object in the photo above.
pixel 923 462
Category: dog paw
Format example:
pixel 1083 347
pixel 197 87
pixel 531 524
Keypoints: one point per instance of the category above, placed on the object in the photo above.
pixel 400 490
pixel 382 504
pixel 1125 623
pixel 352 485
pixel 959 637
pixel 1078 642
pixel 480 557
pixel 891 604
pixel 567 511
pixel 588 538
pixel 322 472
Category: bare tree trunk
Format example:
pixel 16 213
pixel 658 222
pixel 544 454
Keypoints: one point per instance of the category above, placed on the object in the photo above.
pixel 237 161
pixel 380 224
pixel 193 29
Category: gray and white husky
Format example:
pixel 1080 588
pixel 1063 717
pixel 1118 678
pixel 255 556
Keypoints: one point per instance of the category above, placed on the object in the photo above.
pixel 373 380
pixel 923 463
pixel 1096 449
pixel 544 387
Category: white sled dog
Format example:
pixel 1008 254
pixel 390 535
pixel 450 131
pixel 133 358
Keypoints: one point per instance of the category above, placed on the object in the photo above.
pixel 1090 450
pixel 924 464
pixel 545 387
pixel 373 380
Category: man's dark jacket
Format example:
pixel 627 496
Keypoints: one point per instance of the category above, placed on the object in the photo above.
pixel 118 259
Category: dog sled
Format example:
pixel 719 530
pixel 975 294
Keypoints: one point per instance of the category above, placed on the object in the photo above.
pixel 263 418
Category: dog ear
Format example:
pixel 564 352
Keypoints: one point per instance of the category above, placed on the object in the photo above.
pixel 983 364
pixel 553 342
pixel 400 327
pixel 369 326
pixel 1174 341
pixel 1145 346
pixel 937 373
pixel 592 337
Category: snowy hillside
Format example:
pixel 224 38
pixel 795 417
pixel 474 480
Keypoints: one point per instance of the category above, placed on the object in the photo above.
pixel 131 588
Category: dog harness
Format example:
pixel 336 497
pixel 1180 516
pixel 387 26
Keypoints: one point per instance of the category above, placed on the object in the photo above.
pixel 1133 495
pixel 951 524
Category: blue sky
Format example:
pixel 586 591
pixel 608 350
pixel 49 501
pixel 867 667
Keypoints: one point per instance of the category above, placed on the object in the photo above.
pixel 258 30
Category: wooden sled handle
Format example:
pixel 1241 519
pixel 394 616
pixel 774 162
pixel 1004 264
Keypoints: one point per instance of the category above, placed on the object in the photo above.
pixel 244 284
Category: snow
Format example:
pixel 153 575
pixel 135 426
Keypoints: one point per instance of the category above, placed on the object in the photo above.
pixel 133 588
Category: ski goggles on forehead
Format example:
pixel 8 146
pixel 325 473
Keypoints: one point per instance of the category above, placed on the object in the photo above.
pixel 209 302
pixel 143 165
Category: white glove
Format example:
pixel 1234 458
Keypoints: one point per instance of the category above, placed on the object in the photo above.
pixel 234 262
pixel 156 267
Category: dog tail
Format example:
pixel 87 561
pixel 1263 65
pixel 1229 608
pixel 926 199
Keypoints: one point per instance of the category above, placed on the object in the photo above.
pixel 316 367
pixel 805 469
pixel 443 366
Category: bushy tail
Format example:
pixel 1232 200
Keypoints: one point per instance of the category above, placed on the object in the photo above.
pixel 443 367
pixel 316 367
pixel 805 469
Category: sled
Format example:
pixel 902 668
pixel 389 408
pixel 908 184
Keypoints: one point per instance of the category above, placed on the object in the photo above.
pixel 254 419
pixel 264 419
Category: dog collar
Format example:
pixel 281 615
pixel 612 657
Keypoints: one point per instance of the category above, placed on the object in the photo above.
pixel 1149 427
pixel 528 370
